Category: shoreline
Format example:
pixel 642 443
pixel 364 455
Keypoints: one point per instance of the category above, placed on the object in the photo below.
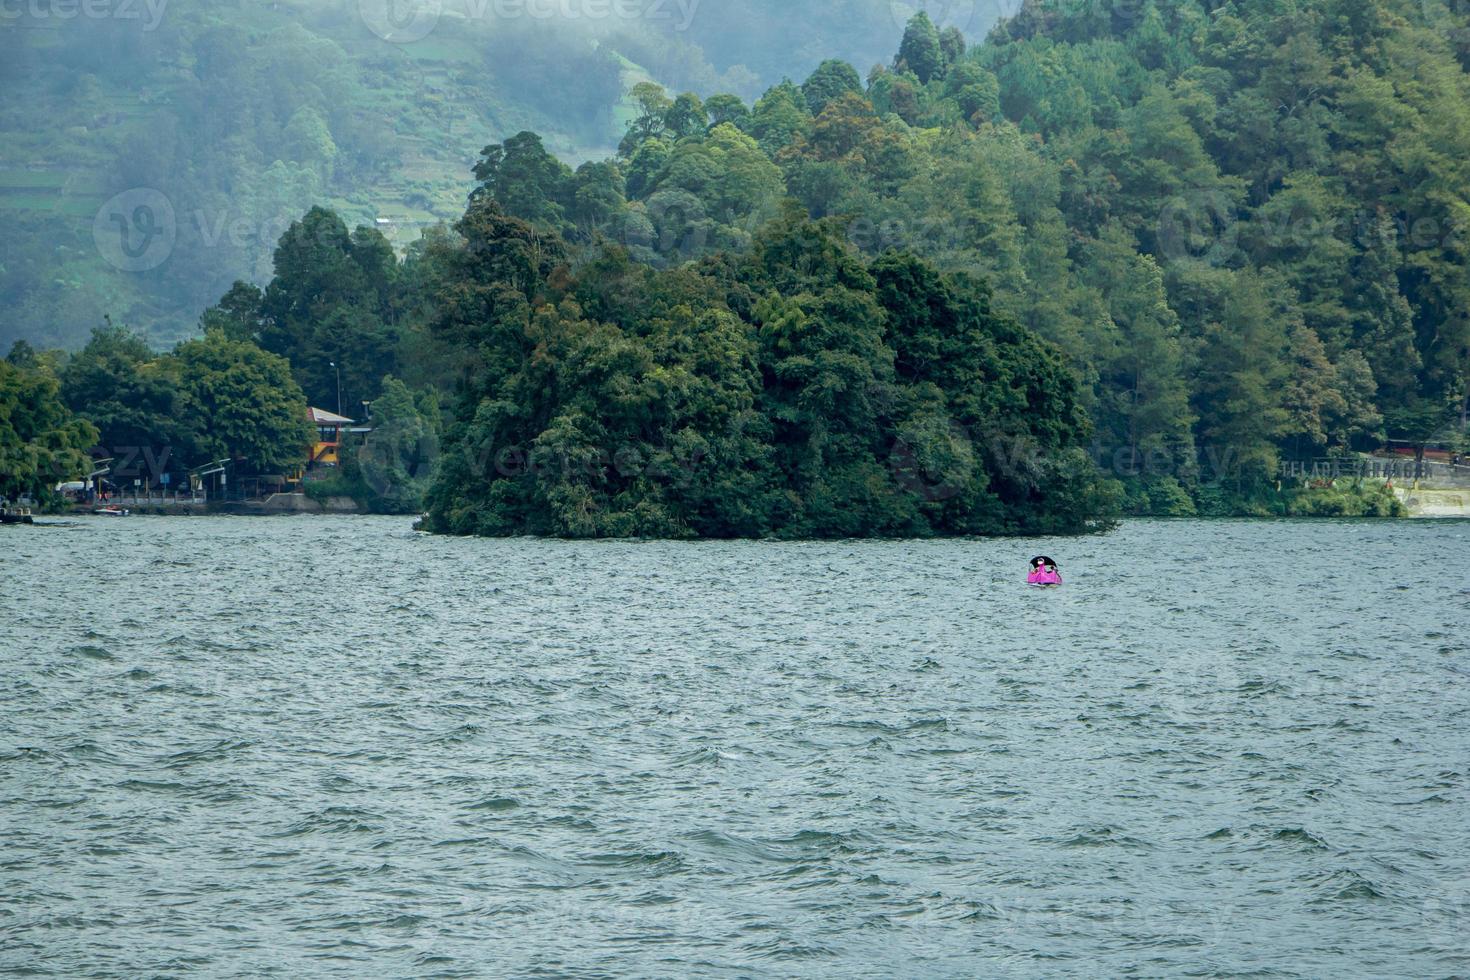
pixel 1419 504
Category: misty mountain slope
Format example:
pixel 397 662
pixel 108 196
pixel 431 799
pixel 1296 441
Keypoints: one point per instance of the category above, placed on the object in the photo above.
pixel 748 46
pixel 225 121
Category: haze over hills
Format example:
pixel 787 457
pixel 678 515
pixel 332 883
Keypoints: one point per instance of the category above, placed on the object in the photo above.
pixel 228 120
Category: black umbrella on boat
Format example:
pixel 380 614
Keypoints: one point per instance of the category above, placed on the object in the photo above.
pixel 1040 560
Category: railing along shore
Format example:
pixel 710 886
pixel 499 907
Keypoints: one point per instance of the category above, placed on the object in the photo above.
pixel 1372 468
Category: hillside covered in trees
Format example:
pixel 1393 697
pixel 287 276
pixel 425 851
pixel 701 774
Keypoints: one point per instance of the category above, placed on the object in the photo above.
pixel 228 120
pixel 1114 258
pixel 1242 223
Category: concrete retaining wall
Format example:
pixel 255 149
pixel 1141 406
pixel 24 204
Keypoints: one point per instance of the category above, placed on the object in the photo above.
pixel 287 503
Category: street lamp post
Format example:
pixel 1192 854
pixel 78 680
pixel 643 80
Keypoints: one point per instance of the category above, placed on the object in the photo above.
pixel 94 478
pixel 339 385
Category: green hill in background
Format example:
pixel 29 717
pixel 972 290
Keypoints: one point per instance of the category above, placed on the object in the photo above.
pixel 225 121
pixel 240 118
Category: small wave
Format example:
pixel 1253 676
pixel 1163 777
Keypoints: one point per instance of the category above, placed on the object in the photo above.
pixel 86 749
pixel 705 757
pixel 977 912
pixel 1106 836
pixel 332 820
pixel 784 948
pixel 917 727
pixel 1432 798
pixel 1260 688
pixel 464 733
pixel 1301 836
pixel 662 860
pixel 154 786
pixel 573 823
pixel 92 652
pixel 818 842
pixel 720 843
pixel 211 752
pixel 1348 886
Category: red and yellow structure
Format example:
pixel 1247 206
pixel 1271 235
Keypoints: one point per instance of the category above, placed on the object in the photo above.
pixel 327 449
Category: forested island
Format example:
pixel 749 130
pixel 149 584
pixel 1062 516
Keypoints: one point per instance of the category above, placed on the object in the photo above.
pixel 1118 259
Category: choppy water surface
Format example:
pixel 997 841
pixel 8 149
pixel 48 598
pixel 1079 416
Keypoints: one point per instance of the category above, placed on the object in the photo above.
pixel 305 746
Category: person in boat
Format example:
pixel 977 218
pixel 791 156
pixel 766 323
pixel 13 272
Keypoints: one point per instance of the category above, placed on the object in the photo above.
pixel 1044 572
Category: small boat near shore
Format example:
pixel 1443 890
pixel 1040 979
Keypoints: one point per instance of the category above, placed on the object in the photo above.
pixel 111 512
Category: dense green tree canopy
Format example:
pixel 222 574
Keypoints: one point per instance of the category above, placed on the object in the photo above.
pixel 41 442
pixel 243 402
pixel 132 398
pixel 1238 225
pixel 759 393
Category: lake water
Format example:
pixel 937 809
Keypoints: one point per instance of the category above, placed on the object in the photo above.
pixel 333 746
